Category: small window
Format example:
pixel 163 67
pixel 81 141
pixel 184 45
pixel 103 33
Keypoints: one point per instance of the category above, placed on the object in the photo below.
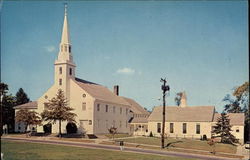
pixel 60 81
pixel 69 49
pixel 171 127
pixel 98 107
pixel 60 70
pixel 184 128
pixel 90 122
pixel 84 106
pixel 113 109
pixel 237 130
pixel 107 108
pixel 158 127
pixel 121 110
pixel 198 129
pixel 70 71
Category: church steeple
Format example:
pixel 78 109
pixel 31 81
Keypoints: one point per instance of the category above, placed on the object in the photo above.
pixel 65 45
pixel 64 64
pixel 65 33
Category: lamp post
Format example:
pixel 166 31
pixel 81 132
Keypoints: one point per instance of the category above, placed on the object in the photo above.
pixel 164 88
pixel 248 147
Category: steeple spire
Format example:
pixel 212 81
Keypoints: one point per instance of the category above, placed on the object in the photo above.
pixel 65 32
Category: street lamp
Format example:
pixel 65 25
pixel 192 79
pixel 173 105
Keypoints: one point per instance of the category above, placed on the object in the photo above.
pixel 164 88
pixel 247 146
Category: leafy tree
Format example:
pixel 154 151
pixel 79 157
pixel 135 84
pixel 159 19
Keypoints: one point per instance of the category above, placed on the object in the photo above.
pixel 57 109
pixel 178 98
pixel 112 130
pixel 223 128
pixel 21 97
pixel 7 111
pixel 240 104
pixel 28 118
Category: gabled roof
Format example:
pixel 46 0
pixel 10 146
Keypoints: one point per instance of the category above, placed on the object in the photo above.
pixel 235 118
pixel 135 107
pixel 29 105
pixel 100 92
pixel 184 114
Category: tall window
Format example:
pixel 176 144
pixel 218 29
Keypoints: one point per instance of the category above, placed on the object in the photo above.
pixel 60 70
pixel 98 107
pixel 198 129
pixel 120 110
pixel 113 109
pixel 84 106
pixel 69 49
pixel 171 127
pixel 60 81
pixel 184 128
pixel 107 108
pixel 70 71
pixel 158 127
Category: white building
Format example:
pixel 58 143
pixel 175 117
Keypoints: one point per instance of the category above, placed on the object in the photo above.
pixel 97 108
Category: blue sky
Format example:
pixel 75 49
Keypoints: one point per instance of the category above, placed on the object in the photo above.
pixel 199 47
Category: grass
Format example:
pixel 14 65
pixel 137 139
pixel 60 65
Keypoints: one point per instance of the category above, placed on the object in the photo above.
pixel 184 143
pixel 30 151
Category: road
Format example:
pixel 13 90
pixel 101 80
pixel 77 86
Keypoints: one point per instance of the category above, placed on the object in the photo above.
pixel 116 148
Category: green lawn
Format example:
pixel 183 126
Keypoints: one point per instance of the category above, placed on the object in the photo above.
pixel 183 143
pixel 34 151
pixel 118 135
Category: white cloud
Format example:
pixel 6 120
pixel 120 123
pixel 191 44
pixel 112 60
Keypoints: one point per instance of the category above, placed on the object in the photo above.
pixel 50 48
pixel 126 70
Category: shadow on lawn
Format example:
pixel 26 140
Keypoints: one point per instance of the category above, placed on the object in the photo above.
pixel 171 143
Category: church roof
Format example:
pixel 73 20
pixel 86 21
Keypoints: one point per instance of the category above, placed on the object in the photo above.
pixel 135 107
pixel 29 105
pixel 235 118
pixel 184 114
pixel 100 92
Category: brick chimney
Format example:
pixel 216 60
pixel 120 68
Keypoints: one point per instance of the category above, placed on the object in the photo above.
pixel 116 90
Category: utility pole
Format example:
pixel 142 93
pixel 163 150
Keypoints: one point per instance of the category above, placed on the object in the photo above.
pixel 164 88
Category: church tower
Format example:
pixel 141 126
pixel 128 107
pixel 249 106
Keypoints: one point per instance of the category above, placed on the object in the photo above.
pixel 183 100
pixel 64 65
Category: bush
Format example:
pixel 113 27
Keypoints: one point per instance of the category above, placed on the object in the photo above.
pixel 71 128
pixel 151 134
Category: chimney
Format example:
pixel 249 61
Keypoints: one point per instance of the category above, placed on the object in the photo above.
pixel 116 90
pixel 183 100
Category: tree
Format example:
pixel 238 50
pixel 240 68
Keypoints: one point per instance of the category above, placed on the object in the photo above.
pixel 178 98
pixel 112 130
pixel 57 109
pixel 240 104
pixel 223 128
pixel 3 90
pixel 21 97
pixel 28 118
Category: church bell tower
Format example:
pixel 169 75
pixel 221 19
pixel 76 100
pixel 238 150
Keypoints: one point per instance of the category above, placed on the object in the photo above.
pixel 64 64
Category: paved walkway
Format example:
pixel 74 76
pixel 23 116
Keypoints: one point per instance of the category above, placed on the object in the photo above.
pixel 116 148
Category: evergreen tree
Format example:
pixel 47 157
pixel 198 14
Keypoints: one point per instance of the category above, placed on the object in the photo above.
pixel 28 118
pixel 223 128
pixel 21 97
pixel 58 110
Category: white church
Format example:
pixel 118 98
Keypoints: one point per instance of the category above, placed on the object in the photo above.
pixel 98 108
